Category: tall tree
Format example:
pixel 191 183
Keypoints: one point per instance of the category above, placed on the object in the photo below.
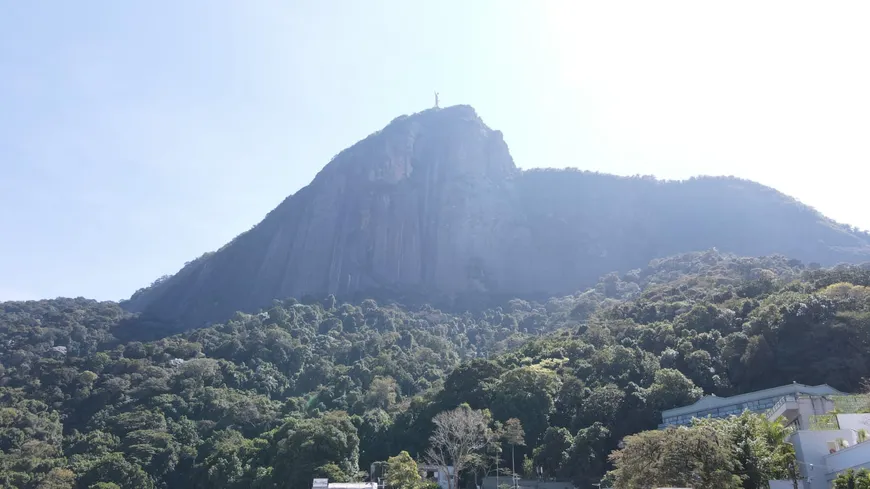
pixel 402 472
pixel 527 393
pixel 303 449
pixel 746 450
pixel 553 452
pixel 676 457
pixel 457 436
pixel 758 448
pixel 513 433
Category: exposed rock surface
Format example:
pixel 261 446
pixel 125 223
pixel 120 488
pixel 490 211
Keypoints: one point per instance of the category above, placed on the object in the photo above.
pixel 434 203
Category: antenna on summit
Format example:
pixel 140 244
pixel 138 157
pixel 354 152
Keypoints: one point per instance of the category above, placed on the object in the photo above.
pixel 436 100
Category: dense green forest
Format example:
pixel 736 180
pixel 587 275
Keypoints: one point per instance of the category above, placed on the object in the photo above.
pixel 320 388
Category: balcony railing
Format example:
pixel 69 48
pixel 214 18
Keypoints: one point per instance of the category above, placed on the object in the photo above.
pixel 779 404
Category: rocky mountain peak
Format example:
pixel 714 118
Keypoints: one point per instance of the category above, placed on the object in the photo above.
pixel 448 143
pixel 433 205
pixel 417 204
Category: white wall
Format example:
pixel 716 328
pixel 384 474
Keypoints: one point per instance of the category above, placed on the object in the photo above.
pixel 811 449
pixel 785 484
pixel 854 421
pixel 849 457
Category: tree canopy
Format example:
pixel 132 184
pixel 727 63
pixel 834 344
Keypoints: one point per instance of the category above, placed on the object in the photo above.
pixel 326 388
pixel 743 451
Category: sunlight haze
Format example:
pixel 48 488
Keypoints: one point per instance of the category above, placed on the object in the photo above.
pixel 136 136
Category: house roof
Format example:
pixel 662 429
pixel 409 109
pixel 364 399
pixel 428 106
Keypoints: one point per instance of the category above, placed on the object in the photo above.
pixel 712 402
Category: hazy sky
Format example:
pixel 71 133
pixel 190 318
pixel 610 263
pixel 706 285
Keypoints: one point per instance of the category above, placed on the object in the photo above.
pixel 136 135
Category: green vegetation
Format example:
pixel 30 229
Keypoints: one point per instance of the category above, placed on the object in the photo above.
pixel 743 451
pixel 821 422
pixel 402 472
pixel 324 389
pixel 853 480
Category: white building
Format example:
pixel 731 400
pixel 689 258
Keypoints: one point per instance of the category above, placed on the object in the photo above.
pixel 825 427
pixel 434 473
pixel 831 444
pixel 758 402
pixel 427 472
pixel 325 484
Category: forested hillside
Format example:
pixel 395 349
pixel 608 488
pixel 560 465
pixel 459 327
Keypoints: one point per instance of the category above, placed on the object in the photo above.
pixel 273 399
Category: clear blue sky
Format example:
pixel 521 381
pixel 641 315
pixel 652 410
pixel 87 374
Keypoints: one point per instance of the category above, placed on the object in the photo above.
pixel 136 135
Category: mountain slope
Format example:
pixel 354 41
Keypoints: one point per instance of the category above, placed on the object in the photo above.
pixel 434 204
pixel 325 389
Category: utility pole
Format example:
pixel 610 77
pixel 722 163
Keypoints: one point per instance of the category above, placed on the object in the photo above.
pixel 514 465
pixel 793 472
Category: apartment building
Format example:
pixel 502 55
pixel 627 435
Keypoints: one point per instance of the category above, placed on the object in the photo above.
pixel 828 428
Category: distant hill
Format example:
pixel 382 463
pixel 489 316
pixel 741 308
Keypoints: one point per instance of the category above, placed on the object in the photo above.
pixel 434 205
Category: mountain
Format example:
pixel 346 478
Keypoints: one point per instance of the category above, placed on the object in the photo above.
pixel 434 205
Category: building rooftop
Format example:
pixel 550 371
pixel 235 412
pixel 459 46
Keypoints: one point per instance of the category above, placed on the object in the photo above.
pixel 713 402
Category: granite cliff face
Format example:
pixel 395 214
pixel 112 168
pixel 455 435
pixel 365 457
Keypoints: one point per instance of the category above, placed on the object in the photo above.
pixel 423 203
pixel 435 204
